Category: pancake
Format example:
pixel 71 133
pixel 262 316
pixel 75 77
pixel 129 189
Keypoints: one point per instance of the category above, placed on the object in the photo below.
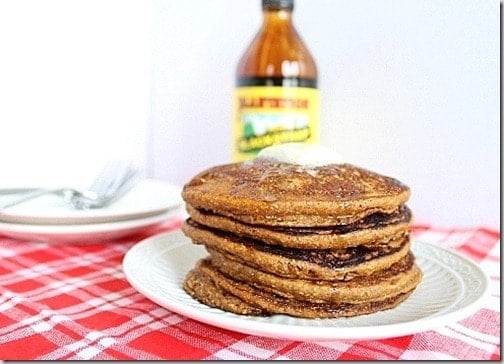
pixel 295 231
pixel 402 276
pixel 201 287
pixel 311 264
pixel 270 303
pixel 268 192
pixel 373 229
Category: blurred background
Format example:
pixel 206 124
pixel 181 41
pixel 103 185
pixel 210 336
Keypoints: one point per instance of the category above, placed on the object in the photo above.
pixel 408 88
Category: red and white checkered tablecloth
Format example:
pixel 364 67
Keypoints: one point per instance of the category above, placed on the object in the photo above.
pixel 73 302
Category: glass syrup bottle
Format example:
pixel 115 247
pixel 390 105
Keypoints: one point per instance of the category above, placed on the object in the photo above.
pixel 276 97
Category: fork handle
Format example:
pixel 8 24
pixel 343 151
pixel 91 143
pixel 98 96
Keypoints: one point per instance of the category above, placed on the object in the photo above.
pixel 26 197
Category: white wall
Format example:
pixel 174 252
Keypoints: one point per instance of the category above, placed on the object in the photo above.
pixel 409 88
pixel 74 87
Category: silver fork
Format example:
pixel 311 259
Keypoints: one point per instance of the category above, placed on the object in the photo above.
pixel 114 180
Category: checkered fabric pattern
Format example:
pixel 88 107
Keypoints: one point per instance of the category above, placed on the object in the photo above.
pixel 73 302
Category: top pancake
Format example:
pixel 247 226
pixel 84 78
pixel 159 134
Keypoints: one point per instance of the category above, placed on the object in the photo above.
pixel 268 192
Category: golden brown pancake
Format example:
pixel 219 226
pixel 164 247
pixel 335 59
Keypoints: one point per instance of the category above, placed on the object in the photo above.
pixel 314 241
pixel 311 264
pixel 202 288
pixel 373 229
pixel 270 303
pixel 401 277
pixel 267 192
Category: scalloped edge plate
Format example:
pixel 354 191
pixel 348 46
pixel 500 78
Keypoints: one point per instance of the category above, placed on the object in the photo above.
pixel 452 288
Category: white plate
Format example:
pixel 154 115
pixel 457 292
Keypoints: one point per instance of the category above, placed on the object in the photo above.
pixel 451 289
pixel 148 198
pixel 82 233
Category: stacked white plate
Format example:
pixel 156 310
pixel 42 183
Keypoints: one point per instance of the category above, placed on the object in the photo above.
pixel 48 218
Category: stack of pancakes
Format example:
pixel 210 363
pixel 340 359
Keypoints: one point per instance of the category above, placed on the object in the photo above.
pixel 307 241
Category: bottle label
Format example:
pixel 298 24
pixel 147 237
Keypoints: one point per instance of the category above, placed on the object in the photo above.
pixel 267 115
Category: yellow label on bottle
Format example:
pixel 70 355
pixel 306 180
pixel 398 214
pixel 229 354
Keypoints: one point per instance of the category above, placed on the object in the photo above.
pixel 267 115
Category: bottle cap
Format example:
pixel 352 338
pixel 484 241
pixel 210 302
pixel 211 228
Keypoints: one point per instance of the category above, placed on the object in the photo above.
pixel 278 4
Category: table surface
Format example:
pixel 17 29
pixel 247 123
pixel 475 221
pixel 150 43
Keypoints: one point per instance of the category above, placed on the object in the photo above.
pixel 72 301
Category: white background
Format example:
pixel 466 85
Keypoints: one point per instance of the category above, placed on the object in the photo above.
pixel 409 89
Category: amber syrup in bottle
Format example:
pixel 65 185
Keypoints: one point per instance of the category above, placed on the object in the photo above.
pixel 276 97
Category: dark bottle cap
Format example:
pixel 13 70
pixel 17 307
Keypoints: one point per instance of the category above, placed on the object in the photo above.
pixel 278 4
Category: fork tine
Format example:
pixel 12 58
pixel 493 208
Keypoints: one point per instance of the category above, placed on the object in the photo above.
pixel 125 173
pixel 111 174
pixel 124 186
pixel 117 178
pixel 101 178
